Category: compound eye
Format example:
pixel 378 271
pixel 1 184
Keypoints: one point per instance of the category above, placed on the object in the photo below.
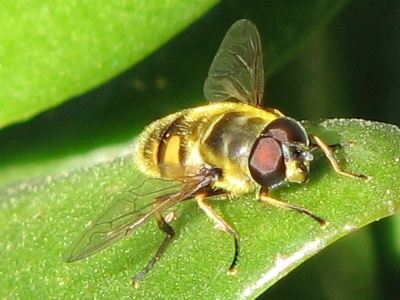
pixel 266 163
pixel 286 130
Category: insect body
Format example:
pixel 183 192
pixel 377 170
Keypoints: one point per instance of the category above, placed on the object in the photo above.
pixel 229 147
pixel 220 134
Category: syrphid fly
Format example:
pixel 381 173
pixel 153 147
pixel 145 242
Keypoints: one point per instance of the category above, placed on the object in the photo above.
pixel 232 146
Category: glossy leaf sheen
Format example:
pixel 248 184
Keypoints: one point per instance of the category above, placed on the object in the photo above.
pixel 42 218
pixel 54 50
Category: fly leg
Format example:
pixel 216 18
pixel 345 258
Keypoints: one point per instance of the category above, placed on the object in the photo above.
pixel 164 226
pixel 197 183
pixel 220 224
pixel 264 197
pixel 330 155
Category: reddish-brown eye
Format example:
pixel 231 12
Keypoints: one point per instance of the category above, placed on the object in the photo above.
pixel 286 130
pixel 266 164
pixel 277 143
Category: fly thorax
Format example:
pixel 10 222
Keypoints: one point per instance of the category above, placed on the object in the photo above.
pixel 231 137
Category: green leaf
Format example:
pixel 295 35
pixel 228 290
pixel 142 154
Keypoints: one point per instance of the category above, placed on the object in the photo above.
pixel 39 220
pixel 54 50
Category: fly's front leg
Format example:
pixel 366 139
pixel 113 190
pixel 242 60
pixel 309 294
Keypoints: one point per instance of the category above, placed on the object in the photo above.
pixel 264 197
pixel 220 224
pixel 334 162
pixel 164 226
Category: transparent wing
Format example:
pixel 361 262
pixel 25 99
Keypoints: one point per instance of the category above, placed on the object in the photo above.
pixel 237 69
pixel 128 212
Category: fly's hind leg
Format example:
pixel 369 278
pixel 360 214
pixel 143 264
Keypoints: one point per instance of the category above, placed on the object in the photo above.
pixel 164 226
pixel 330 155
pixel 220 224
pixel 264 197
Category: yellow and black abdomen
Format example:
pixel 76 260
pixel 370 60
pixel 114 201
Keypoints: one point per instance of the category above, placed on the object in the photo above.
pixel 219 134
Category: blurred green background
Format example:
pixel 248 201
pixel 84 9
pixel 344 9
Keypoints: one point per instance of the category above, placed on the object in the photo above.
pixel 324 60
